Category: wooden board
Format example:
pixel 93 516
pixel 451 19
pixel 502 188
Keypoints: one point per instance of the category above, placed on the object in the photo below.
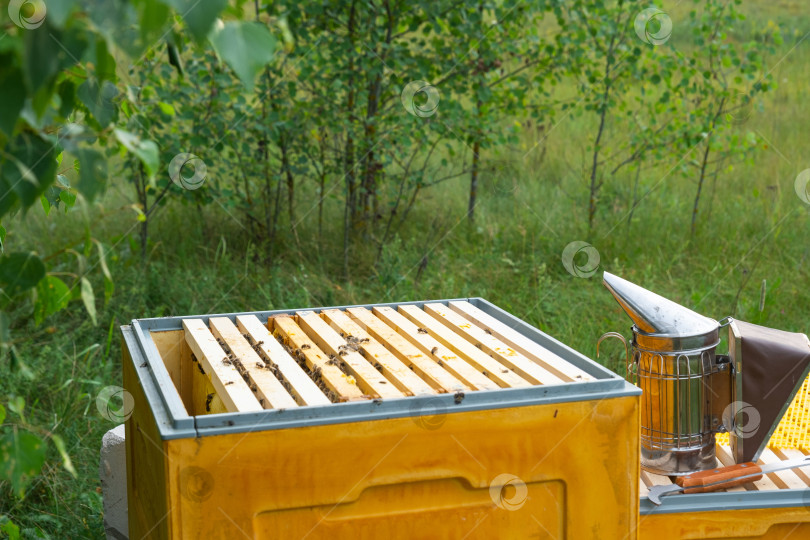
pixel 452 375
pixel 370 380
pixel 295 379
pixel 529 370
pixel 425 324
pixel 389 365
pixel 225 378
pixel 445 357
pixel 338 384
pixel 793 453
pixel 204 397
pixel 786 479
pixel 269 390
pixel 534 351
pixel 652 479
pixel 724 455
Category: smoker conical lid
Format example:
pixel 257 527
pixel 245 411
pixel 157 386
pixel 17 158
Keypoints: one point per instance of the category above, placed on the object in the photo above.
pixel 653 313
pixel 772 365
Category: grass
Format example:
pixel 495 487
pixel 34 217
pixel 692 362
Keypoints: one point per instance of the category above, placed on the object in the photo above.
pixel 752 228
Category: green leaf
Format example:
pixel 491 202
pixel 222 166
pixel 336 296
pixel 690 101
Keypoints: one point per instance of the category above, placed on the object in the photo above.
pixel 89 300
pixel 28 170
pixel 12 94
pixel 7 526
pixel 102 258
pixel 66 462
pixel 199 15
pixel 20 272
pixel 92 172
pixel 22 455
pixel 166 108
pixel 52 296
pixel 144 149
pixel 99 100
pixel 245 46
pixel 2 414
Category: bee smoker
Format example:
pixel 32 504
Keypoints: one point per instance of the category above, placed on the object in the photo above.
pixel 690 392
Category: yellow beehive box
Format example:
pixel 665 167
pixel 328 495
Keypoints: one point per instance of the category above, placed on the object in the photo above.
pixel 447 419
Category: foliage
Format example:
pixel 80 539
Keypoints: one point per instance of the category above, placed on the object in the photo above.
pixel 333 137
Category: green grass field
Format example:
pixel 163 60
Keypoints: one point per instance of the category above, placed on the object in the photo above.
pixel 753 229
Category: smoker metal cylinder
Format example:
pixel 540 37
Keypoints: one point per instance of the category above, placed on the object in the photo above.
pixel 675 376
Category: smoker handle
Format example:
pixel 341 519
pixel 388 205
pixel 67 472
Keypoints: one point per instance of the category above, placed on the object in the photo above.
pixel 721 478
pixel 626 351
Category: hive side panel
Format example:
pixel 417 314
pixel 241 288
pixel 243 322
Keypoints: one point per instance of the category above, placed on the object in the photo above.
pixel 397 468
pixel 147 487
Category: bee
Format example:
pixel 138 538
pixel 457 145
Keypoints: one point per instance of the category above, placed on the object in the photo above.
pixel 458 397
pixel 305 346
pixel 226 362
pixel 259 343
pixel 485 373
pixel 421 330
pixel 228 382
pixel 259 365
pixel 253 387
pixel 261 402
pixel 488 331
pixel 208 401
pixel 434 350
pixel 378 366
pixel 441 364
pixel 365 340
pixel 199 366
pixel 504 371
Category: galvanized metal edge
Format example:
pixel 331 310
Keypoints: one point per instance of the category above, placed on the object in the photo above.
pixel 714 502
pixel 608 384
pixel 169 428
pixel 431 408
pixel 168 391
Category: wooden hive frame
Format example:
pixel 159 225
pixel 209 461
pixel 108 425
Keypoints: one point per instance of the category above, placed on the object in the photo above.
pixel 338 355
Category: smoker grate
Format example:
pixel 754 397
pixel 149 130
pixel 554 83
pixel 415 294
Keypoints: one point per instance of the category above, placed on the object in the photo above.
pixel 336 355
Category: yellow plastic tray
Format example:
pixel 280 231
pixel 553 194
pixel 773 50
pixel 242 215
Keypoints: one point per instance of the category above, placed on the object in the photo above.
pixel 794 429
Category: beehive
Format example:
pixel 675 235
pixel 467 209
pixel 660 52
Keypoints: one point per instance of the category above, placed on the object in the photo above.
pixel 444 419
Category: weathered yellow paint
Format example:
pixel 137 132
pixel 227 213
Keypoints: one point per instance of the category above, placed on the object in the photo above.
pixel 416 477
pixel 762 523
